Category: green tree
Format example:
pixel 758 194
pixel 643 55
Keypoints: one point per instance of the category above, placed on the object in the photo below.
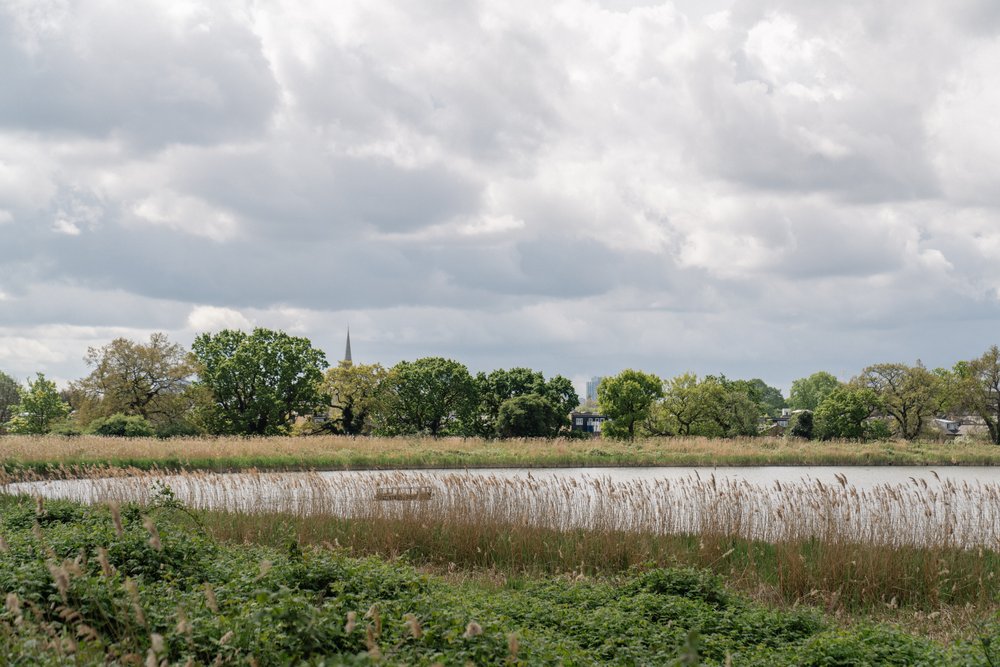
pixel 529 416
pixel 682 409
pixel 560 392
pixel 980 389
pixel 10 396
pixel 808 393
pixel 627 399
pixel 431 395
pixel 497 387
pixel 259 381
pixel 770 398
pixel 843 413
pixel 733 407
pixel 354 393
pixel 801 424
pixel 134 378
pixel 907 394
pixel 40 408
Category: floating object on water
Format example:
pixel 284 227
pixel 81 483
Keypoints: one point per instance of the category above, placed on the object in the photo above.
pixel 404 493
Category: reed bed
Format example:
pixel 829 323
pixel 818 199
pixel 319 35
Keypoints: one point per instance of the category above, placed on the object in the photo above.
pixel 41 453
pixel 918 543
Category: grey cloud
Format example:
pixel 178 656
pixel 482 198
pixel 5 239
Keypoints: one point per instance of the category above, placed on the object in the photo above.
pixel 672 194
pixel 310 192
pixel 125 70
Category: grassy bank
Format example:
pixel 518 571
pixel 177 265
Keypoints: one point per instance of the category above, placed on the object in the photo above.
pixel 86 586
pixel 333 453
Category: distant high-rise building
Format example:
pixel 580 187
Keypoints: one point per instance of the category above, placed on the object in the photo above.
pixel 347 352
pixel 592 386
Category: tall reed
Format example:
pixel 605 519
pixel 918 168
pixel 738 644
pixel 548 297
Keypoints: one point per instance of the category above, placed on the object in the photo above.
pixel 917 543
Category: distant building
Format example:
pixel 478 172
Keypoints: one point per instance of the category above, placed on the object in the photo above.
pixel 588 422
pixel 592 386
pixel 347 352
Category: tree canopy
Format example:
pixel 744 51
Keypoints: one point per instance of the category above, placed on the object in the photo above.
pixel 980 389
pixel 431 395
pixel 627 399
pixel 353 390
pixel 498 387
pixel 529 416
pixel 39 409
pixel 134 378
pixel 843 413
pixel 260 381
pixel 807 393
pixel 10 396
pixel 906 393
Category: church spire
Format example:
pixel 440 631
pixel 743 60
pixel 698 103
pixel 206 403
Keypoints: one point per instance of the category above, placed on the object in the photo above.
pixel 347 352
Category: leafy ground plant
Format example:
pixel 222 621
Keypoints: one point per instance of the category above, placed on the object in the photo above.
pixel 144 585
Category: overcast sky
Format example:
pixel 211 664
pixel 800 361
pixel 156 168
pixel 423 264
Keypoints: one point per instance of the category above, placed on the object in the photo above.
pixel 756 187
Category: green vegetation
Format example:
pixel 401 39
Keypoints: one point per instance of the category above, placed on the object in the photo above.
pixel 258 381
pixel 150 381
pixel 39 409
pixel 432 395
pixel 627 399
pixel 10 396
pixel 91 585
pixel 269 383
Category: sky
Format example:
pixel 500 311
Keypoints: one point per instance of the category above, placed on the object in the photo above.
pixel 761 188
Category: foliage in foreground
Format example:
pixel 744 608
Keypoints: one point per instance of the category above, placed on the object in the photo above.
pixel 84 585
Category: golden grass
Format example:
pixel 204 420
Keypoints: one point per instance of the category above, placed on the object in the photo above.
pixel 341 452
pixel 918 545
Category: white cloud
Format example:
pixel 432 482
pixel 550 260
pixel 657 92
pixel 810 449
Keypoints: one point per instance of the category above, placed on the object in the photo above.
pixel 213 318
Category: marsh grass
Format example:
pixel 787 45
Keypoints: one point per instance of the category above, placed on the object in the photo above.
pixel 916 545
pixel 40 453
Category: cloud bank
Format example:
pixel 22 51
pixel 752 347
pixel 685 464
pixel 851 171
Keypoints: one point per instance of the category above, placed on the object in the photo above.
pixel 756 187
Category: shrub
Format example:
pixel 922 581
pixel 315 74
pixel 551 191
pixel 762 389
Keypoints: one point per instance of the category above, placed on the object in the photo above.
pixel 122 426
pixel 801 425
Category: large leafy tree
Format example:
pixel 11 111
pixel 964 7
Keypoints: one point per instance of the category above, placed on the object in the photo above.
pixel 627 399
pixel 431 395
pixel 10 396
pixel 770 398
pixel 529 416
pixel 907 394
pixel 135 378
pixel 260 381
pixel 354 393
pixel 498 387
pixel 39 409
pixel 807 393
pixel 682 409
pixel 844 413
pixel 980 389
pixel 733 407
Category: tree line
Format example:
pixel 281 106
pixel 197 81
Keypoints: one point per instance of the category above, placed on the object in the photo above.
pixel 883 401
pixel 268 382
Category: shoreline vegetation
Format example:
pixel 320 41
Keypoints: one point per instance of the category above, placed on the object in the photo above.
pixel 50 455
pixel 109 582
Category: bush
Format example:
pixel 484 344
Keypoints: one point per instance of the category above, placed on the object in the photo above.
pixel 177 429
pixel 122 426
pixel 801 425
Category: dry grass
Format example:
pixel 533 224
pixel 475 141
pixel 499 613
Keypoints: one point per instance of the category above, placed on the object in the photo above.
pixel 916 545
pixel 338 452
